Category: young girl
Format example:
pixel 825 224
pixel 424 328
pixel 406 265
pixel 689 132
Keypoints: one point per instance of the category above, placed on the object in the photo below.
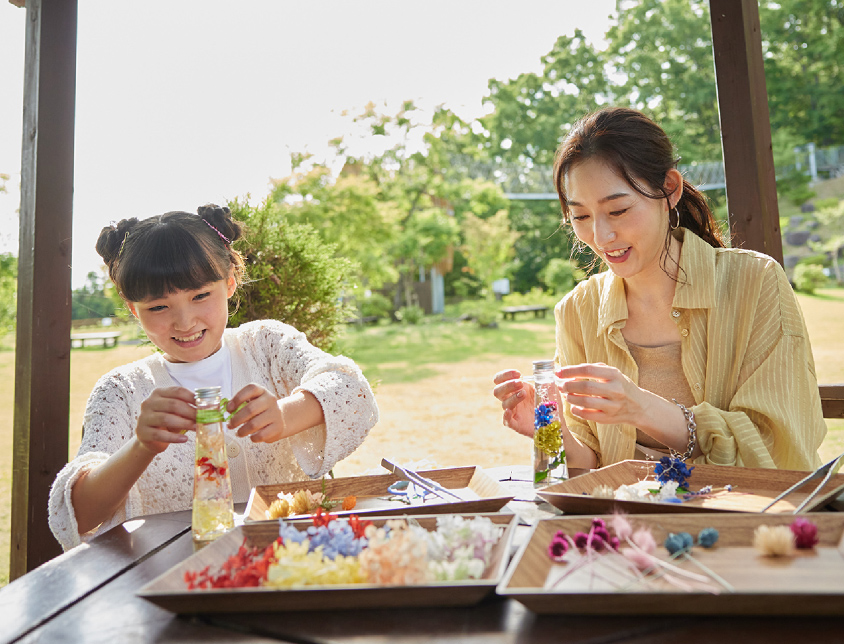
pixel 304 409
pixel 683 345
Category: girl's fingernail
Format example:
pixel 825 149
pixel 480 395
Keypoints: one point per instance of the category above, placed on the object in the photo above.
pixel 521 394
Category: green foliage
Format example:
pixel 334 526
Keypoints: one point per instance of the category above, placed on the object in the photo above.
pixel 808 277
pixel 561 275
pixel 825 204
pixel 91 300
pixel 803 45
pixel 375 305
pixel 794 186
pixel 535 297
pixel 662 49
pixel 488 244
pixel 294 276
pixel 410 314
pixel 8 292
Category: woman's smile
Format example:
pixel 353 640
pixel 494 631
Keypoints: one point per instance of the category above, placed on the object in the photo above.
pixel 617 256
pixel 191 340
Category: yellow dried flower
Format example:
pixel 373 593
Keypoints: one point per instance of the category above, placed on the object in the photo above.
pixel 774 541
pixel 549 439
pixel 279 509
pixel 305 501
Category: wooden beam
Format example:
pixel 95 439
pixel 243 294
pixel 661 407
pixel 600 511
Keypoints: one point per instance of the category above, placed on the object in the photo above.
pixel 42 360
pixel 832 400
pixel 745 126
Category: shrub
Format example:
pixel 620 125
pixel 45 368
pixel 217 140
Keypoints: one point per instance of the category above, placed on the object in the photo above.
pixel 561 275
pixel 410 314
pixel 377 305
pixel 535 297
pixel 293 276
pixel 808 277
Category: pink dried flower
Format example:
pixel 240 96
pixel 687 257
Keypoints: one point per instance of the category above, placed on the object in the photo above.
pixel 580 540
pixel 805 533
pixel 558 547
pixel 621 526
pixel 614 543
pixel 599 524
pixel 644 539
pixel 601 533
pixel 642 560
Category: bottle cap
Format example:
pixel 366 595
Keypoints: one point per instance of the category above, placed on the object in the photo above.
pixel 207 392
pixel 543 365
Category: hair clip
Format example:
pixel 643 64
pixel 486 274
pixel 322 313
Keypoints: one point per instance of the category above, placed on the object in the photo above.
pixel 125 237
pixel 225 239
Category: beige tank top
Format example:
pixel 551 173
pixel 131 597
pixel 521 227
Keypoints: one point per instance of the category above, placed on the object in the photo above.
pixel 661 373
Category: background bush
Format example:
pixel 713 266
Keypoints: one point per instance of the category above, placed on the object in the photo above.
pixel 808 277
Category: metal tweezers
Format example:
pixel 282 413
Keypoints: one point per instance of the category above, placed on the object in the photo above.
pixel 421 481
pixel 827 470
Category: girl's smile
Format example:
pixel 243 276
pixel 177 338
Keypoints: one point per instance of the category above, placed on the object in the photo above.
pixel 187 325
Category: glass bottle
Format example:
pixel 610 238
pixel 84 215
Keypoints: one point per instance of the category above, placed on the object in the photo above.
pixel 213 511
pixel 549 454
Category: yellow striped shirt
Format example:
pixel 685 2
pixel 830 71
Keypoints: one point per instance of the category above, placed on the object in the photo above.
pixel 745 354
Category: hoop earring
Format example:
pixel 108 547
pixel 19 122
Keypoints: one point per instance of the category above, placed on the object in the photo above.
pixel 671 225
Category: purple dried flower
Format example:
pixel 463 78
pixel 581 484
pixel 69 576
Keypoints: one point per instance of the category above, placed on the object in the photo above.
pixel 599 524
pixel 581 539
pixel 558 547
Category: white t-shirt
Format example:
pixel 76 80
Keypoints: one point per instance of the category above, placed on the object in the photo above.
pixel 213 371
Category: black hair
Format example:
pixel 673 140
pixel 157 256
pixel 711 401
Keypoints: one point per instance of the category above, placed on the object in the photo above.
pixel 176 251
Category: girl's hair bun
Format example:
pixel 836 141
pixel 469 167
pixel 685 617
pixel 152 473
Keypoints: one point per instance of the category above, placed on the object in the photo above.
pixel 112 238
pixel 221 218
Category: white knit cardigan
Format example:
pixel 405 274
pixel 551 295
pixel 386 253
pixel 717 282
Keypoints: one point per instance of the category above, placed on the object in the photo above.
pixel 267 352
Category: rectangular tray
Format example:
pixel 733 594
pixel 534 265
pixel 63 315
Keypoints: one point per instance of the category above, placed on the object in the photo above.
pixel 490 495
pixel 808 583
pixel 753 489
pixel 170 591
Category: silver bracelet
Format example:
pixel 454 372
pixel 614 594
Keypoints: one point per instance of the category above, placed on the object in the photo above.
pixel 692 426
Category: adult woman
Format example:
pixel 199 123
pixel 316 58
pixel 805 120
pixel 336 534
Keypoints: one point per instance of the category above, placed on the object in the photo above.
pixel 683 344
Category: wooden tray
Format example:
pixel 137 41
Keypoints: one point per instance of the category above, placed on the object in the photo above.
pixel 753 489
pixel 809 583
pixel 486 494
pixel 170 591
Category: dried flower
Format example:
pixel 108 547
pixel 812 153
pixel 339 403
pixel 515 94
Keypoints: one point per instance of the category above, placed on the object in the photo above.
pixel 679 542
pixel 774 541
pixel 673 469
pixel 805 533
pixel 621 526
pixel 559 546
pixel 548 438
pixel 350 502
pixel 707 537
pixel 279 509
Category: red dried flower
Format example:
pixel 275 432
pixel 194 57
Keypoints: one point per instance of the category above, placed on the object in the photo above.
pixel 805 533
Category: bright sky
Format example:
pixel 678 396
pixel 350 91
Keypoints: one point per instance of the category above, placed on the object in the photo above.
pixel 184 102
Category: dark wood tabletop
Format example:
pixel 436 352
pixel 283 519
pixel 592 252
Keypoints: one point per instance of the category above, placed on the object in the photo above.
pixel 88 595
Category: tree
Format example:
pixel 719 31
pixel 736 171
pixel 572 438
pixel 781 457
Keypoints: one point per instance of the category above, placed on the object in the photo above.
pixel 8 291
pixel 488 244
pixel 803 45
pixel 833 219
pixel 294 276
pixel 662 51
pixel 91 300
pixel 561 275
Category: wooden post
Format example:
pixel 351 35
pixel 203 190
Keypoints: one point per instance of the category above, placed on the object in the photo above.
pixel 745 126
pixel 42 360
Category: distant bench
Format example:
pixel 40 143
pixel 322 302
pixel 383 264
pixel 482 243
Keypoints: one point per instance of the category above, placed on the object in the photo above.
pixel 537 310
pixel 105 339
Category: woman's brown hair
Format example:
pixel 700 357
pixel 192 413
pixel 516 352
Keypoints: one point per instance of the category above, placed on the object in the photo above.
pixel 640 152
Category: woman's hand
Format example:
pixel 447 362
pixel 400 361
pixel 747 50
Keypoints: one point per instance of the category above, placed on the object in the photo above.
pixel 603 394
pixel 165 416
pixel 516 398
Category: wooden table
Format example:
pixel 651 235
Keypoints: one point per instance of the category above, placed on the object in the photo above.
pixel 88 595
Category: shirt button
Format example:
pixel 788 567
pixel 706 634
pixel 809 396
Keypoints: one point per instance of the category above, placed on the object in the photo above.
pixel 697 386
pixel 233 449
pixel 684 332
pixel 675 313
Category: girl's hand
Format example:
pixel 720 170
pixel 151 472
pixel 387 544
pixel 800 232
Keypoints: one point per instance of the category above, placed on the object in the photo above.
pixel 603 394
pixel 164 418
pixel 516 399
pixel 260 417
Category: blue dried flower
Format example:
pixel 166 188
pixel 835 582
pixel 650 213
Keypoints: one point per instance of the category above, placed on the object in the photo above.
pixel 542 415
pixel 672 469
pixel 680 542
pixel 707 537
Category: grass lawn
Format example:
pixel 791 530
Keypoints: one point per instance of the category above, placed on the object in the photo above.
pixel 394 354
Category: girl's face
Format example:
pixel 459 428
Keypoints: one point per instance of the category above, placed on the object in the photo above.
pixel 623 227
pixel 187 326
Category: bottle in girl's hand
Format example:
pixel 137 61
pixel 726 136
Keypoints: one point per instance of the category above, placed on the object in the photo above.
pixel 549 454
pixel 213 512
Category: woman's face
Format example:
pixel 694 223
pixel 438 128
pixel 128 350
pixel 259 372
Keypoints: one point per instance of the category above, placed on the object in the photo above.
pixel 623 227
pixel 187 326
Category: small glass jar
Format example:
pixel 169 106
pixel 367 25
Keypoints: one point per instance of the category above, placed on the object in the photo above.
pixel 549 454
pixel 213 511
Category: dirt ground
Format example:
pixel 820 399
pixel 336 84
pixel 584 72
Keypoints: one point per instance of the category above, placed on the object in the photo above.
pixel 447 420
